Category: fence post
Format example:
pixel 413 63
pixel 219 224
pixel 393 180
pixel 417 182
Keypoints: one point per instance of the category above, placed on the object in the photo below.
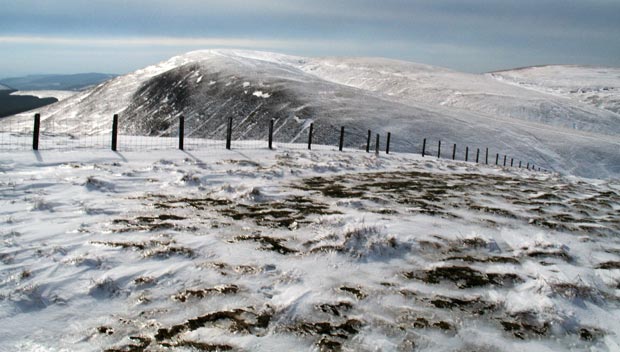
pixel 387 146
pixel 181 132
pixel 528 165
pixel 271 134
pixel 310 136
pixel 486 157
pixel 35 132
pixel 477 155
pixel 504 159
pixel 512 160
pixel 519 164
pixel 454 152
pixel 377 145
pixel 466 153
pixel 424 147
pixel 229 132
pixel 368 142
pixel 497 159
pixel 341 138
pixel 114 132
pixel 439 150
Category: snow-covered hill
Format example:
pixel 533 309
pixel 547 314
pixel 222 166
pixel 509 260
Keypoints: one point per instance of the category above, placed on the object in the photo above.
pixel 410 100
pixel 595 86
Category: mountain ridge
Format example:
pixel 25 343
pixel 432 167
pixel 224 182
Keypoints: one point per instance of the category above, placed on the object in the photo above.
pixel 413 101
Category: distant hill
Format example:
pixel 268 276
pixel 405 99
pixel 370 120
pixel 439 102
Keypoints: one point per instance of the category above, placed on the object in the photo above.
pixel 3 87
pixel 591 85
pixel 15 104
pixel 73 82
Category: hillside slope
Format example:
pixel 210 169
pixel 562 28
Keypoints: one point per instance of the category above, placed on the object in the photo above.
pixel 595 86
pixel 410 100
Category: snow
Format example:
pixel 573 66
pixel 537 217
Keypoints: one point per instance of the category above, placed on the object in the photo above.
pixel 58 94
pixel 260 94
pixel 595 86
pixel 412 101
pixel 292 249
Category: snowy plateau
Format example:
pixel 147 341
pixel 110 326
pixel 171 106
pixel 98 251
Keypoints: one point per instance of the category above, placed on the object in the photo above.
pixel 290 249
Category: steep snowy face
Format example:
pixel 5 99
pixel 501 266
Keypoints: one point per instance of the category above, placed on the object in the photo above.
pixel 409 100
pixel 595 86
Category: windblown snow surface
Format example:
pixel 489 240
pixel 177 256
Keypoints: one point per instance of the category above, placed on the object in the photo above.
pixel 295 250
pixel 412 101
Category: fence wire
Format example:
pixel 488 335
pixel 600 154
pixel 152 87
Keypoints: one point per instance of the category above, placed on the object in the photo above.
pixel 16 133
pixel 210 132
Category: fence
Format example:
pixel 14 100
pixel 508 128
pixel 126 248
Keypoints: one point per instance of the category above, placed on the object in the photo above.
pixel 24 133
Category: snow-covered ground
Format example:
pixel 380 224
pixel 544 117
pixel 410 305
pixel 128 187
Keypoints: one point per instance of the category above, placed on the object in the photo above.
pixel 58 94
pixel 262 250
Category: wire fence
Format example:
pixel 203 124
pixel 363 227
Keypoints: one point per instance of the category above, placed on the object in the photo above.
pixel 25 133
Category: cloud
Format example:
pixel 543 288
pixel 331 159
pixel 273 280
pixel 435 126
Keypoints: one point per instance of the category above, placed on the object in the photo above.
pixel 145 41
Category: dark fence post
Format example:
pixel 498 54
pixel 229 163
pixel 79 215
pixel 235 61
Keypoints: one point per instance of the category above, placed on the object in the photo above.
pixel 310 136
pixel 519 164
pixel 504 159
pixel 424 147
pixel 512 160
pixel 35 132
pixel 439 150
pixel 368 142
pixel 477 154
pixel 387 145
pixel 181 132
pixel 486 157
pixel 229 132
pixel 114 132
pixel 528 165
pixel 497 159
pixel 454 152
pixel 377 145
pixel 466 153
pixel 341 138
pixel 271 134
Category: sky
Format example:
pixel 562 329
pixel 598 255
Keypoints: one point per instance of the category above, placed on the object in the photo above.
pixel 120 36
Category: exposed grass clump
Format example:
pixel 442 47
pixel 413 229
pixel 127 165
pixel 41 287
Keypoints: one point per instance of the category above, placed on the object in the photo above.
pixel 526 326
pixel 268 243
pixel 336 309
pixel 202 293
pixel 611 265
pixel 281 213
pixel 474 306
pixel 237 320
pixel 463 277
pixel 354 291
pixel 152 248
